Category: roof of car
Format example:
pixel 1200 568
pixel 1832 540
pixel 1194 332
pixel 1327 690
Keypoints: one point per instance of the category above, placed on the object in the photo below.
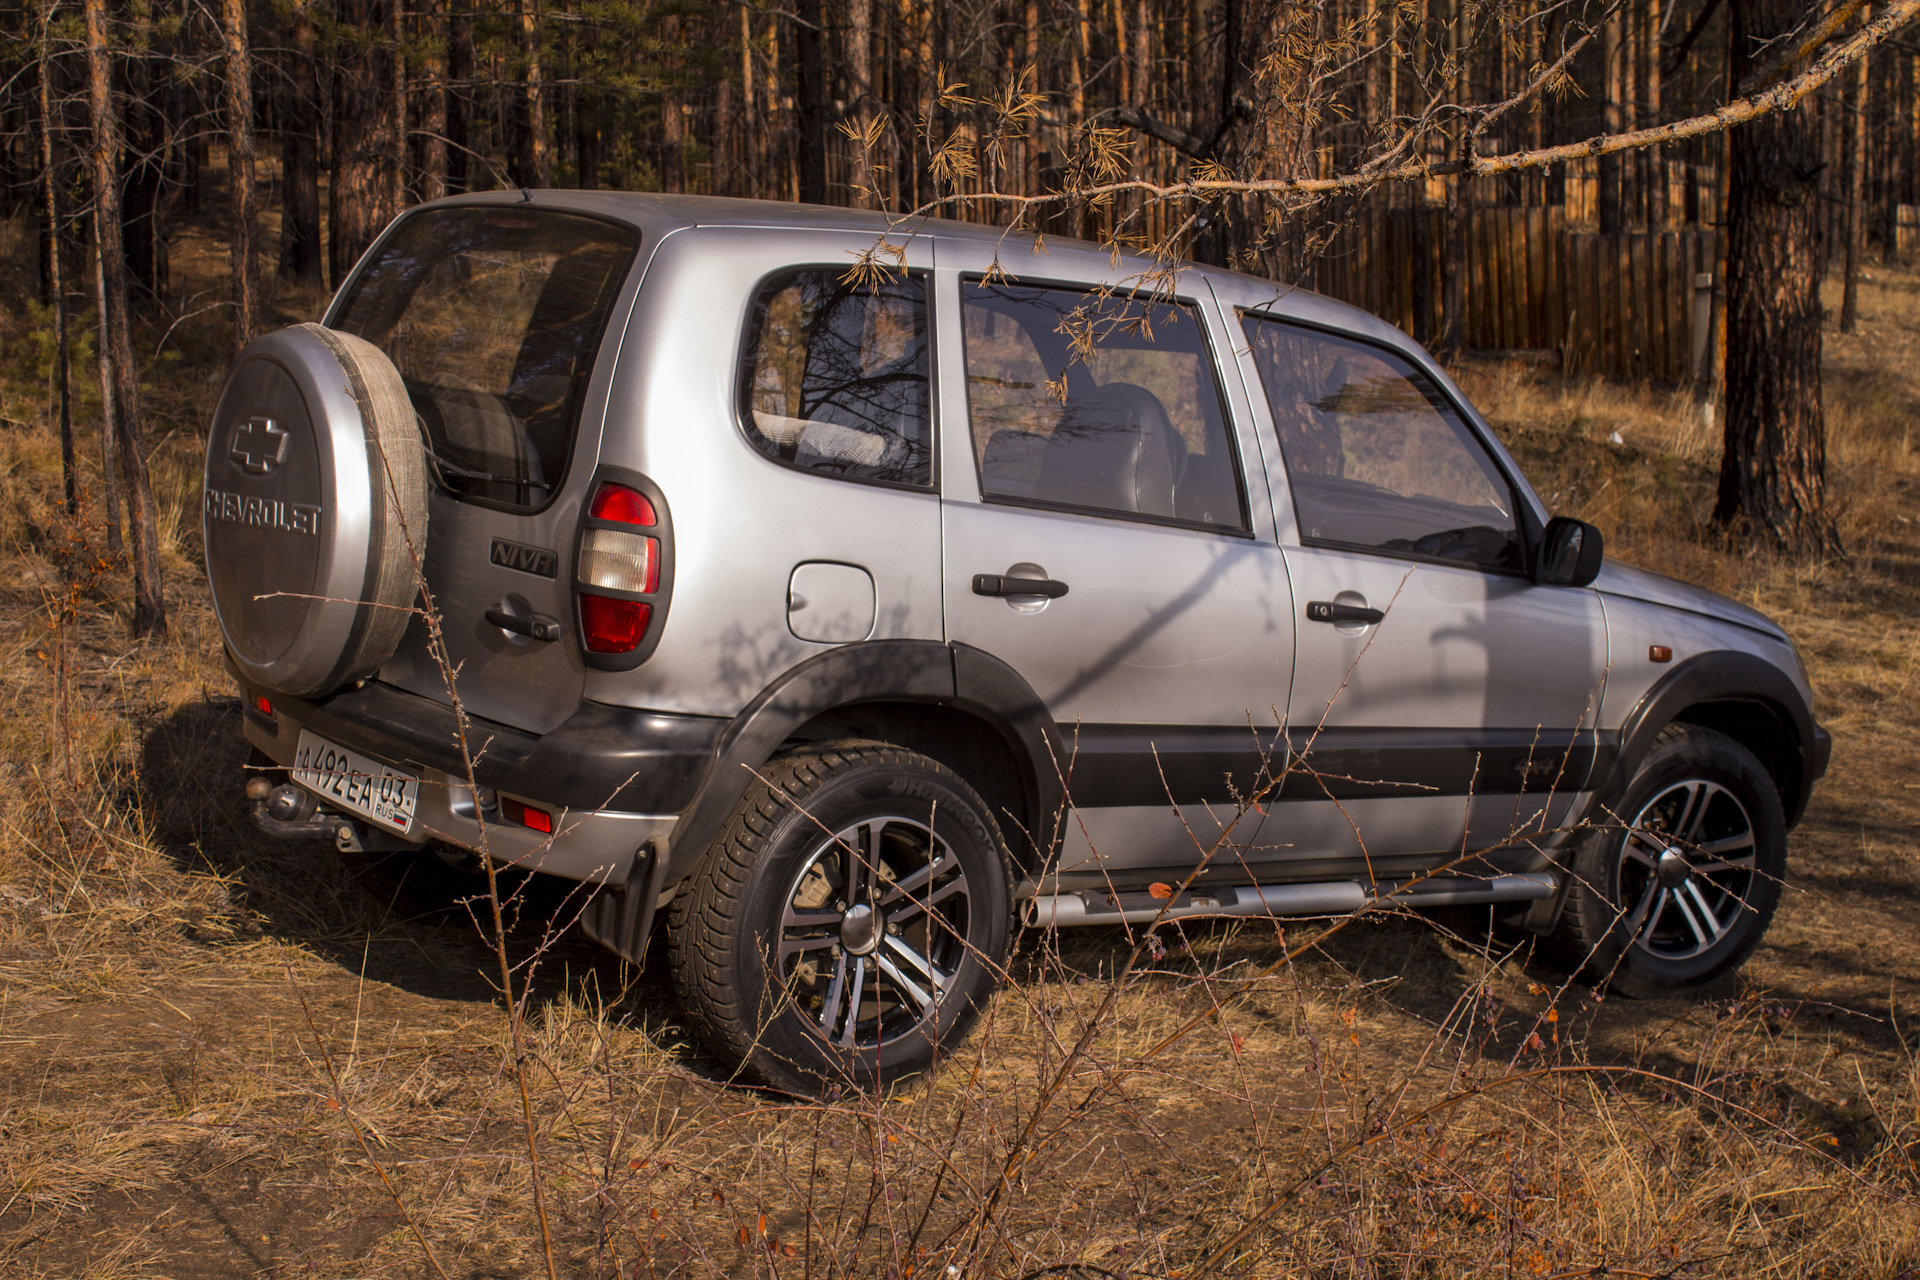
pixel 732 211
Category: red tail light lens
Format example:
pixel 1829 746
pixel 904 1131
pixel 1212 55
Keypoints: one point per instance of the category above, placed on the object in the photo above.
pixel 613 626
pixel 263 705
pixel 617 502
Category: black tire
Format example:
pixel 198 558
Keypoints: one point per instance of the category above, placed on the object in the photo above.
pixel 1674 891
pixel 770 952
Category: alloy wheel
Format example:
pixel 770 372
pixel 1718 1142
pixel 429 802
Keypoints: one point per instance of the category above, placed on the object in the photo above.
pixel 872 932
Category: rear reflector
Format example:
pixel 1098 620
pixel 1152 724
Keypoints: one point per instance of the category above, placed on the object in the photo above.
pixel 526 815
pixel 263 705
pixel 619 561
pixel 617 502
pixel 612 626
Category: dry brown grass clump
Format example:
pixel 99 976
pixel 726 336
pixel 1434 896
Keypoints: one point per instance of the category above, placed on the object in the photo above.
pixel 225 1055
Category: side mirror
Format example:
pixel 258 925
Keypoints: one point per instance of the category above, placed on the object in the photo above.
pixel 1569 555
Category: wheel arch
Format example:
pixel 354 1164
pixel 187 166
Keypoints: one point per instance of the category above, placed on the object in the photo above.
pixel 952 703
pixel 1743 696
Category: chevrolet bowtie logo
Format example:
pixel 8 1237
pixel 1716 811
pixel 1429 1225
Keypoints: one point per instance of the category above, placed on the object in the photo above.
pixel 259 445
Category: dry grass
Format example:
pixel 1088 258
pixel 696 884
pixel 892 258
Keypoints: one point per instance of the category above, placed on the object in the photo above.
pixel 224 1055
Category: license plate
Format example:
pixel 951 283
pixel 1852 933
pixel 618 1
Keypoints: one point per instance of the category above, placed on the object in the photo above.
pixel 377 792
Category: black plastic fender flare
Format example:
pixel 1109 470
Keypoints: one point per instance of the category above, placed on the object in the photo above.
pixel 954 675
pixel 1720 676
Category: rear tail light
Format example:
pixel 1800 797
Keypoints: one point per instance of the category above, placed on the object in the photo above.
pixel 620 573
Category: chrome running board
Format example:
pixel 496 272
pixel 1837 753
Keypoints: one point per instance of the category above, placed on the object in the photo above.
pixel 1330 898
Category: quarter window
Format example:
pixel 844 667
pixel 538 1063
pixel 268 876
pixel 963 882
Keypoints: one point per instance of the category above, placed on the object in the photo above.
pixel 1107 404
pixel 1375 455
pixel 835 378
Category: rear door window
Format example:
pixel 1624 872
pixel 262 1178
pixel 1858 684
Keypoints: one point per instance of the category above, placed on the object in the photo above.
pixel 835 376
pixel 1102 403
pixel 494 317
pixel 1375 455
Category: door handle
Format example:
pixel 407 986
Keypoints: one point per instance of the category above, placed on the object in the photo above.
pixel 998 584
pixel 1328 611
pixel 537 626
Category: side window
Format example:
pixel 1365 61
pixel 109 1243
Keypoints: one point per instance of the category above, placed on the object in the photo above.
pixel 1104 404
pixel 835 376
pixel 1375 456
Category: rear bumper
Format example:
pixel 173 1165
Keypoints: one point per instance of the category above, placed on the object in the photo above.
pixel 614 778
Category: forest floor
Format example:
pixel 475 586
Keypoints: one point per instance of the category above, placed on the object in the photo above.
pixel 225 1055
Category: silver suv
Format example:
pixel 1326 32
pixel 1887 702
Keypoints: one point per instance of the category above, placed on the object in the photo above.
pixel 842 613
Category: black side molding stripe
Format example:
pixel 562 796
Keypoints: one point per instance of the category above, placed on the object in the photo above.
pixel 1152 764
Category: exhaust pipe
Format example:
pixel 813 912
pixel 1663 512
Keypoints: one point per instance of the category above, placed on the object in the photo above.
pixel 1329 898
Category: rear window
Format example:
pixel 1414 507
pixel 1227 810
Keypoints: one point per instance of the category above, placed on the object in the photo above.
pixel 493 317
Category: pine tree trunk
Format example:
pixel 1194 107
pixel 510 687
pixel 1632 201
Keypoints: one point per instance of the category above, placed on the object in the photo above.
pixel 459 70
pixel 56 285
pixel 360 193
pixel 433 107
pixel 109 474
pixel 753 141
pixel 300 259
pixel 246 300
pixel 673 116
pixel 1650 113
pixel 119 374
pixel 1613 119
pixel 1773 468
pixel 531 167
pixel 811 89
pixel 1855 219
pixel 394 164
pixel 142 133
pixel 860 86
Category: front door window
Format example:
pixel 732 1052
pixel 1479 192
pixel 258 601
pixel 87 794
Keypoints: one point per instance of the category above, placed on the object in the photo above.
pixel 1375 455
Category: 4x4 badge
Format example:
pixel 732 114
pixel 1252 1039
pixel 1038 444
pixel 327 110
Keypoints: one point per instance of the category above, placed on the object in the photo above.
pixel 259 445
pixel 535 560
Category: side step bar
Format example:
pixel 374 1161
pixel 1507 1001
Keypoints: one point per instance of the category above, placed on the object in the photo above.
pixel 1331 898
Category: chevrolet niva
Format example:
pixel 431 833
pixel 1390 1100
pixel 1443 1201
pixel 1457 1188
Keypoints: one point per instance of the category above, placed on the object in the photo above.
pixel 846 615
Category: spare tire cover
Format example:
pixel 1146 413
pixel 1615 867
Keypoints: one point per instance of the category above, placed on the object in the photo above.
pixel 315 510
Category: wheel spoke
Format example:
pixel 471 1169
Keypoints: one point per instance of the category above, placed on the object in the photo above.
pixel 1641 848
pixel 927 969
pixel 1700 899
pixel 853 1002
pixel 1725 845
pixel 902 888
pixel 854 847
pixel 913 991
pixel 1693 815
pixel 809 917
pixel 1647 910
pixel 1727 864
pixel 830 1007
pixel 914 907
pixel 1700 935
pixel 790 947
